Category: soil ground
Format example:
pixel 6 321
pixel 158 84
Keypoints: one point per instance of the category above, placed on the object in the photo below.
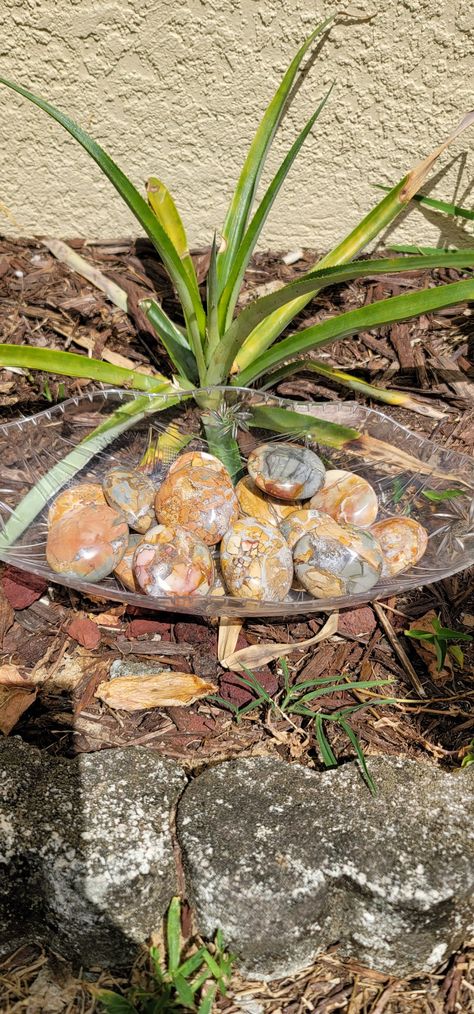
pixel 43 303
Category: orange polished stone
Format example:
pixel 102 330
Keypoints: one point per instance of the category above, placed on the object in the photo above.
pixel 256 561
pixel 87 542
pixel 199 459
pixel 199 500
pixel 256 504
pixel 132 493
pixel 172 561
pixel 124 569
pixel 82 495
pixel 403 542
pixel 347 497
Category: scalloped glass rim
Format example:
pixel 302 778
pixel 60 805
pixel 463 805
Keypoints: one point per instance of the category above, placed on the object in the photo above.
pixel 30 447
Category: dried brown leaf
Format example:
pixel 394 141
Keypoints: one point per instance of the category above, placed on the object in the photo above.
pixel 229 630
pixel 16 695
pixel 256 655
pixel 165 690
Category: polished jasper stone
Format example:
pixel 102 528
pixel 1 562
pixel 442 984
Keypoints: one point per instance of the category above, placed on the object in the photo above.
pixel 199 459
pixel 403 542
pixel 254 503
pixel 256 561
pixel 87 542
pixel 83 495
pixel 124 569
pixel 348 498
pixel 198 499
pixel 132 493
pixel 337 560
pixel 285 470
pixel 172 561
pixel 300 522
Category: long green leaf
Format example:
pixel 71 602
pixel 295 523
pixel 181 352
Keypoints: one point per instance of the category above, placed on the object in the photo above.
pixel 173 935
pixel 378 218
pixel 164 207
pixel 447 207
pixel 284 420
pixel 327 754
pixel 211 304
pixel 388 397
pixel 191 303
pixel 231 291
pixel 241 204
pixel 385 311
pixel 310 284
pixel 172 338
pixel 354 739
pixel 70 364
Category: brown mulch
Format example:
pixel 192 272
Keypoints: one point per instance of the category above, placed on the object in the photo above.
pixel 73 640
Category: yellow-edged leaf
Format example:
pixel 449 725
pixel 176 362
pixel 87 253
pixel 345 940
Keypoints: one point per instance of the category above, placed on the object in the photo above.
pixel 165 690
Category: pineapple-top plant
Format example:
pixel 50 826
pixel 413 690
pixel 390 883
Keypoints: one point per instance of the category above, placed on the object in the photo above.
pixel 213 345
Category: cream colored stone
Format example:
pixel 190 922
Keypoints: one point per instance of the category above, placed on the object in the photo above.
pixel 177 90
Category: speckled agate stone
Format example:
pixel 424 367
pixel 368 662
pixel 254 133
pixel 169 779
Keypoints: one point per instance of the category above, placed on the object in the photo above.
pixel 256 561
pixel 132 493
pixel 87 542
pixel 255 504
pixel 82 495
pixel 199 459
pixel 124 569
pixel 172 561
pixel 285 470
pixel 347 497
pixel 300 522
pixel 336 560
pixel 403 542
pixel 198 499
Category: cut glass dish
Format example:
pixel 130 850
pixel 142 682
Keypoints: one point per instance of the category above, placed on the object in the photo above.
pixel 42 454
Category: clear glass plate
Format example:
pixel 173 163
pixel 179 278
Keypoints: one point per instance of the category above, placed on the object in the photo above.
pixel 400 465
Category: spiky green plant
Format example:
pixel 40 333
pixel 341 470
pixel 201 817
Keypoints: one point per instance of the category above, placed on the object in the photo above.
pixel 211 346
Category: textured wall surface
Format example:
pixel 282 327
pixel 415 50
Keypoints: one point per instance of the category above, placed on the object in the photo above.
pixel 176 89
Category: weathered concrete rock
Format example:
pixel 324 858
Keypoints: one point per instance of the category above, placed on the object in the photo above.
pixel 86 857
pixel 287 861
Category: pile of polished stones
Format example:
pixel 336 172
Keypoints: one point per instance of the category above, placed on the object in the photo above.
pixel 289 525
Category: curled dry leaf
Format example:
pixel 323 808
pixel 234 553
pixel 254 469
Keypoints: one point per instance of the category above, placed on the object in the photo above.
pixel 165 690
pixel 229 630
pixel 260 654
pixel 16 695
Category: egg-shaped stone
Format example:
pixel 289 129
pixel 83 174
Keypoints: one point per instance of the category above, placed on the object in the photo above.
pixel 198 499
pixel 300 522
pixel 403 542
pixel 124 569
pixel 172 561
pixel 285 470
pixel 83 494
pixel 199 459
pixel 133 494
pixel 256 561
pixel 87 542
pixel 334 560
pixel 347 497
pixel 254 503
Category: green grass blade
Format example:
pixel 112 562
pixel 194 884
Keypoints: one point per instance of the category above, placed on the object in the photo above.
pixel 377 219
pixel 173 935
pixel 354 739
pixel 71 364
pixel 172 338
pixel 184 992
pixel 114 1003
pixel 231 291
pixel 385 311
pixel 162 204
pixel 309 285
pixel 328 757
pixel 284 420
pixel 190 301
pixel 207 1002
pixel 242 200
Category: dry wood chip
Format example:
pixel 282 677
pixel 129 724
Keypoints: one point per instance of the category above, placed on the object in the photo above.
pixel 167 689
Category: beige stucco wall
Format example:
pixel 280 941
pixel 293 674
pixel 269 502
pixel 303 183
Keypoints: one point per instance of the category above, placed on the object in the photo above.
pixel 176 88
